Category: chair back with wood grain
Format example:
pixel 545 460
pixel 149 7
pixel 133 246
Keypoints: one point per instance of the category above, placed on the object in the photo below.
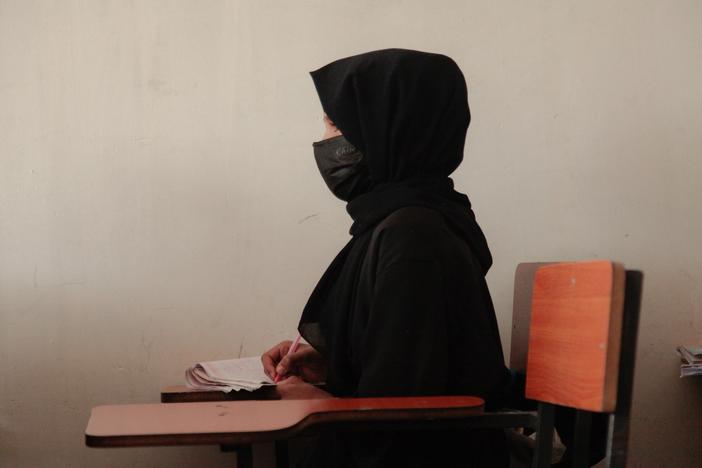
pixel 575 334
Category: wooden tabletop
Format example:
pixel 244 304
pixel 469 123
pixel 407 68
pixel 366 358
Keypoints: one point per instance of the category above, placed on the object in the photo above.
pixel 243 422
pixel 183 394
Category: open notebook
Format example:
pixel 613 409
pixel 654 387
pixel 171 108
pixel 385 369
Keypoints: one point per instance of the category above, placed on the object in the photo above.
pixel 227 375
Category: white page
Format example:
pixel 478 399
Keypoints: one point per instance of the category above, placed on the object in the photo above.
pixel 243 370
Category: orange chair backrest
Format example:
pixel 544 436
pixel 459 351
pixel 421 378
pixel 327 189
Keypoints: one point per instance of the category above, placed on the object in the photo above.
pixel 575 334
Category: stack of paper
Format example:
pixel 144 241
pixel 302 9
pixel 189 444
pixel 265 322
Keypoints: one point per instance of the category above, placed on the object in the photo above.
pixel 227 375
pixel 692 360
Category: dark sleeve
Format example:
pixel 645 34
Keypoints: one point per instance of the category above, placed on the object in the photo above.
pixel 405 347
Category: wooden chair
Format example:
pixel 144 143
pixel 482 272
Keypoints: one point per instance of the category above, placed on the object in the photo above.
pixel 580 354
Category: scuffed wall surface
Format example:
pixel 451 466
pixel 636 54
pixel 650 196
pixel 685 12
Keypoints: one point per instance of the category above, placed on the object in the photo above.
pixel 159 203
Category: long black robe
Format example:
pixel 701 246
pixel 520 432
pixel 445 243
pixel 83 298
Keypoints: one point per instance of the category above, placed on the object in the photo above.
pixel 404 308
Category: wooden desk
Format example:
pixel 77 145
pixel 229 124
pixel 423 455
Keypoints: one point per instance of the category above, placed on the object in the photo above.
pixel 183 394
pixel 245 422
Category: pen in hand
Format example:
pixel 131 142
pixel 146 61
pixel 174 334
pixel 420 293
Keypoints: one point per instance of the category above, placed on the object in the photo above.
pixel 293 348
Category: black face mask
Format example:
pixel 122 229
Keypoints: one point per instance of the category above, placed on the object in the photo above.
pixel 342 167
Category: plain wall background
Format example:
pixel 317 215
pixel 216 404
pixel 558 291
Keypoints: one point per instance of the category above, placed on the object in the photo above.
pixel 160 205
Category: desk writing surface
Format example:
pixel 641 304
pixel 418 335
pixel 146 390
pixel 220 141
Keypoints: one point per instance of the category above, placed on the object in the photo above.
pixel 248 421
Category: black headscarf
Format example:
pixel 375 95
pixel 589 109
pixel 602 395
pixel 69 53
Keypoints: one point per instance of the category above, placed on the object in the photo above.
pixel 407 112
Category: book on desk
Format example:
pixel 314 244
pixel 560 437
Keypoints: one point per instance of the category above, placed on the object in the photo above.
pixel 228 375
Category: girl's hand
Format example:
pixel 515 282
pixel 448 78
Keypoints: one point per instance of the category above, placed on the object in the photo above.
pixel 294 388
pixel 305 363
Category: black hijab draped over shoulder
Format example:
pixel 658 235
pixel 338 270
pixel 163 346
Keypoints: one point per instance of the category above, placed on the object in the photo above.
pixel 407 112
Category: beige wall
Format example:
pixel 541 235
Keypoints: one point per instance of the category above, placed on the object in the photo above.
pixel 159 203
